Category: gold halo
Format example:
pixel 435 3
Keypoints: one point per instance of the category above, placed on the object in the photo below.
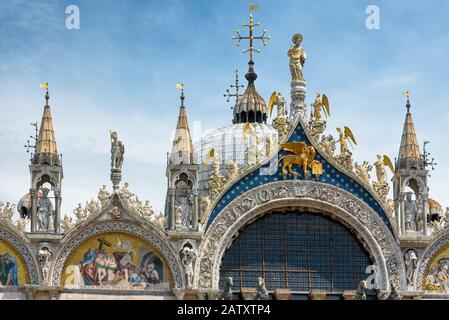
pixel 297 37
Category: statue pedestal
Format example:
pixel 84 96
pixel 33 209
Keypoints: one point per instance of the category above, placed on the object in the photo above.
pixel 318 294
pixel 36 292
pixel 414 239
pixel 248 293
pixel 116 177
pixel 282 294
pixel 412 295
pixel 298 94
pixel 183 234
pixel 348 295
pixel 186 294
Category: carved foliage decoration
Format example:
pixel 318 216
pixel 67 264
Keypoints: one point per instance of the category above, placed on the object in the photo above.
pixel 233 217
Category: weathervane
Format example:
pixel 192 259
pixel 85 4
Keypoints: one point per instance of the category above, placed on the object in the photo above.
pixel 180 86
pixel 29 146
pixel 251 37
pixel 406 94
pixel 235 86
pixel 426 157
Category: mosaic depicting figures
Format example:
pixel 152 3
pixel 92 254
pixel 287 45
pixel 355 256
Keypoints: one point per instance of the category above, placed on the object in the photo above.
pixel 8 270
pixel 437 278
pixel 12 271
pixel 115 260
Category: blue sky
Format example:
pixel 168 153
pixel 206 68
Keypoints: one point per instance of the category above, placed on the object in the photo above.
pixel 120 69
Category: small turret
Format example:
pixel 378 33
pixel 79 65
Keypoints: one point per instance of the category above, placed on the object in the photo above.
pixel 182 149
pixel 46 177
pixel 410 190
pixel 181 208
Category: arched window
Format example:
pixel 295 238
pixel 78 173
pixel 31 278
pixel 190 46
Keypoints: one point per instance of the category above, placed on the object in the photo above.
pixel 300 251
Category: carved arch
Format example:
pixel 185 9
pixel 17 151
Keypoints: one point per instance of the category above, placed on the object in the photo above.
pixel 38 178
pixel 20 244
pixel 420 184
pixel 342 205
pixel 77 238
pixel 439 244
pixel 128 222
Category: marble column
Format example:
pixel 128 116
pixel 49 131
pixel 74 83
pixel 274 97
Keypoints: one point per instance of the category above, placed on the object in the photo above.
pixel 33 194
pixel 172 213
pixel 195 212
pixel 57 210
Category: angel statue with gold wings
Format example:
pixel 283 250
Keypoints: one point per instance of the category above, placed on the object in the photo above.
pixel 277 100
pixel 281 122
pixel 345 134
pixel 321 103
pixel 380 164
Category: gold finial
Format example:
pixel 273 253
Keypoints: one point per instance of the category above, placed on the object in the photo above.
pixel 251 37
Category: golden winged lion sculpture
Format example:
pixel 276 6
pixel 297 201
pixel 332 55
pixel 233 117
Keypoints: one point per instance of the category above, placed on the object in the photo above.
pixel 303 156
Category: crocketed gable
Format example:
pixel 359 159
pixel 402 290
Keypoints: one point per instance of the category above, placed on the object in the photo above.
pixel 332 175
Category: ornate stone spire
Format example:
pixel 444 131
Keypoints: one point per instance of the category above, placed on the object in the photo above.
pixel 46 177
pixel 409 152
pixel 410 188
pixel 46 150
pixel 182 149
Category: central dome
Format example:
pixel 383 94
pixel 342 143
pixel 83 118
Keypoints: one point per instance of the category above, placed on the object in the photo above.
pixel 231 145
pixel 250 107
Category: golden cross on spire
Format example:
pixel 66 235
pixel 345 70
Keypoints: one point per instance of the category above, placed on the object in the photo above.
pixel 235 86
pixel 251 36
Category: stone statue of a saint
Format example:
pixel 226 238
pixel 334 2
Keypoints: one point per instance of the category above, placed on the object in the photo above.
pixel 147 210
pixel 8 212
pixel 410 210
pixel 117 152
pixel 103 195
pixel 80 213
pixel 188 256
pixel 44 257
pixel 185 202
pixel 297 58
pixel 125 193
pixel 410 259
pixel 44 211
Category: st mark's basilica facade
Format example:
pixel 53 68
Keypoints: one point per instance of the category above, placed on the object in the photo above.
pixel 270 206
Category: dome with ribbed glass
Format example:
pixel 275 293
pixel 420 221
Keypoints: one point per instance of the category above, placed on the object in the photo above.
pixel 240 143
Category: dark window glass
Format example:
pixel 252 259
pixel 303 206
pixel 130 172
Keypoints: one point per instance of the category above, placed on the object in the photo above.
pixel 299 251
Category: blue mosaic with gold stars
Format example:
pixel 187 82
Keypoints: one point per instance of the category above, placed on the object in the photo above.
pixel 330 176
